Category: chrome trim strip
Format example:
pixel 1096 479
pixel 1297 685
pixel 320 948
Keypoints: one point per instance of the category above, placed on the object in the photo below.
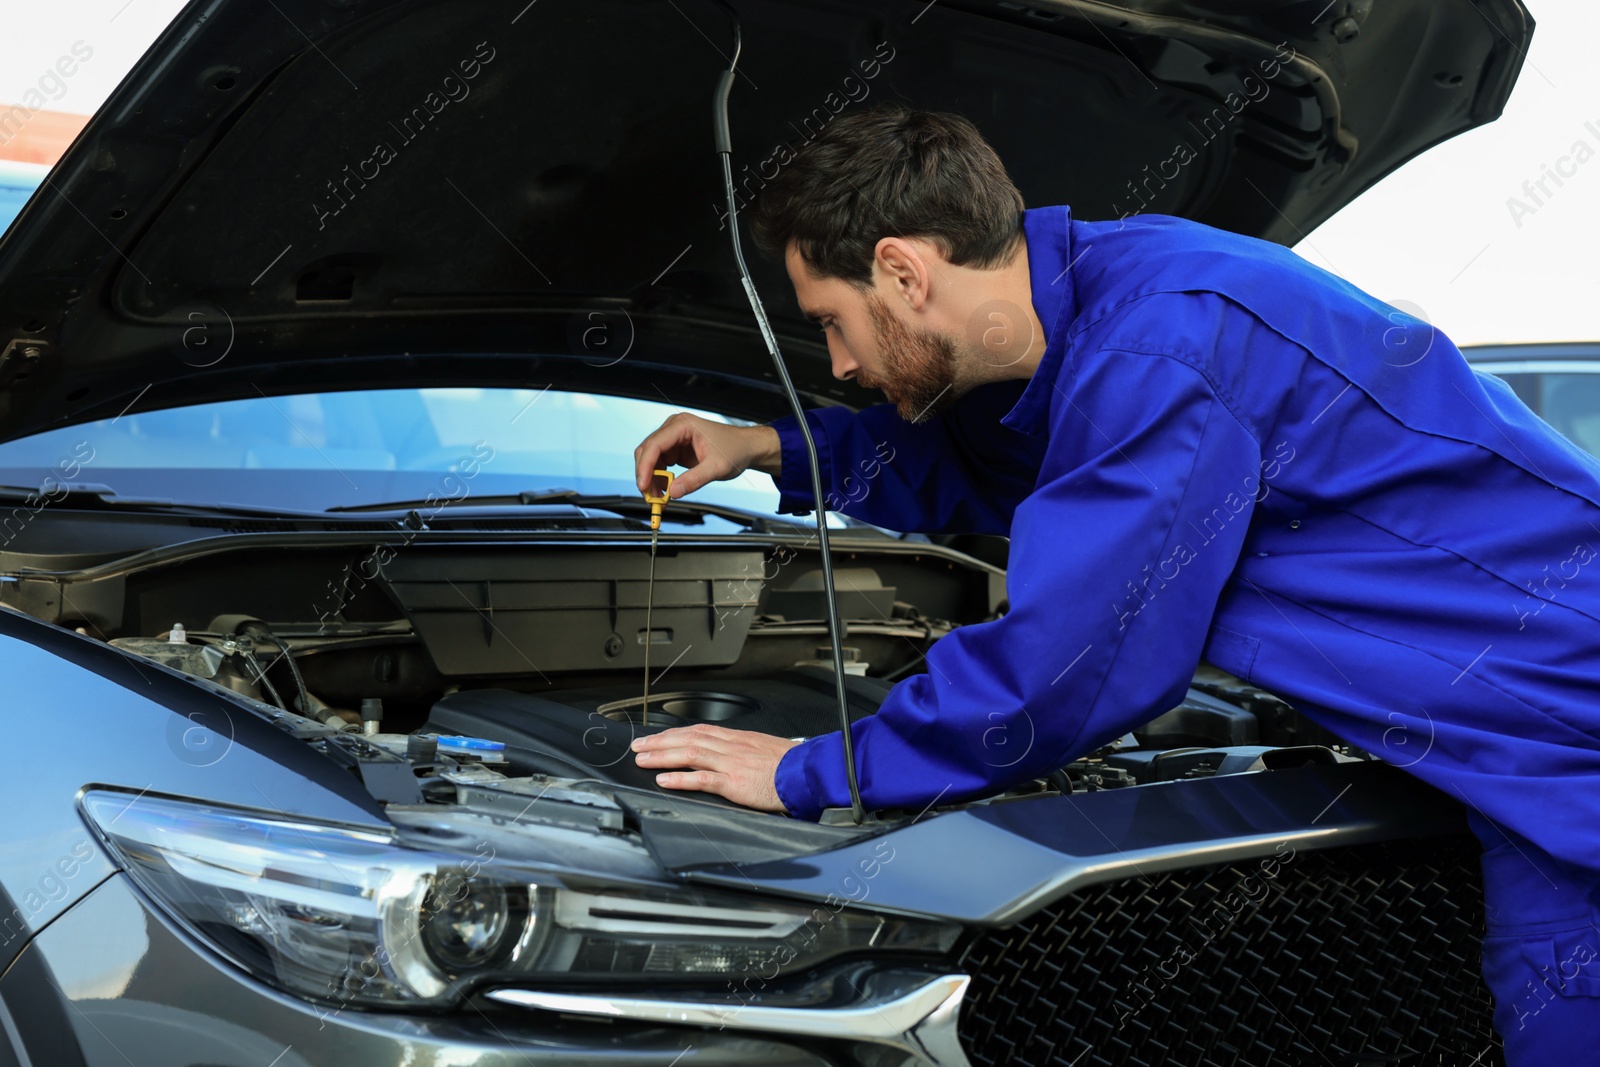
pixel 1075 877
pixel 921 1023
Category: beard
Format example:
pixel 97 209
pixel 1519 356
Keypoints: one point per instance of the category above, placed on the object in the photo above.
pixel 920 365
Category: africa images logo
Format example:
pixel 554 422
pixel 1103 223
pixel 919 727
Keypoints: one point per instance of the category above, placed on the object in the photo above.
pixel 50 85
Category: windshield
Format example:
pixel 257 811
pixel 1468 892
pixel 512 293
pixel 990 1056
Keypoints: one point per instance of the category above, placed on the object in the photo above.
pixel 313 451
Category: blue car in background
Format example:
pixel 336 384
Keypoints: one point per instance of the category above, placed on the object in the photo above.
pixel 17 183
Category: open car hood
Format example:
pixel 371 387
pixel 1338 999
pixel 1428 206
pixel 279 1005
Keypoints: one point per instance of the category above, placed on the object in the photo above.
pixel 480 192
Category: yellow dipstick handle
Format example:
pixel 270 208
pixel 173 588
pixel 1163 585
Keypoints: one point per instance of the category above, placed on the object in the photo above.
pixel 657 501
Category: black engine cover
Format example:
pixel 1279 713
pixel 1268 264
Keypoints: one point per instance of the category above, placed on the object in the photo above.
pixel 584 733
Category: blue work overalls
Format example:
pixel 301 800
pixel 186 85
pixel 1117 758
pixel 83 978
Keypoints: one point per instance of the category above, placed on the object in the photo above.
pixel 1226 452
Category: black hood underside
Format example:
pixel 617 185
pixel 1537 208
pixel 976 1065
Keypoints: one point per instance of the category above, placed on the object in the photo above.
pixel 342 192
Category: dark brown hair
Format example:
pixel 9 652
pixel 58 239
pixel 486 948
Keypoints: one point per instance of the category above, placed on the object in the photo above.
pixel 890 171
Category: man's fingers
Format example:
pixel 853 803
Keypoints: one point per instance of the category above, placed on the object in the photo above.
pixel 692 479
pixel 698 734
pixel 683 441
pixel 686 747
pixel 706 463
pixel 664 447
pixel 705 781
pixel 736 764
pixel 654 452
pixel 685 756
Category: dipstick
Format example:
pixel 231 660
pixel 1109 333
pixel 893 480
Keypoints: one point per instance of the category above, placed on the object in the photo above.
pixel 656 503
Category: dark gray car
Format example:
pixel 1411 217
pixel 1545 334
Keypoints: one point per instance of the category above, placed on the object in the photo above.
pixel 322 355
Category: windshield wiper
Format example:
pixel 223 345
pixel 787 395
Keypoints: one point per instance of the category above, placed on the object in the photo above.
pixel 94 495
pixel 622 504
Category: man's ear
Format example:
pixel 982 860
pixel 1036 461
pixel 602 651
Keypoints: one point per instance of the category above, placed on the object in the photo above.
pixel 902 265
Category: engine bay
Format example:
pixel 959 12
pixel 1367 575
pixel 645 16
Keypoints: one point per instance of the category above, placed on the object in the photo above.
pixel 523 659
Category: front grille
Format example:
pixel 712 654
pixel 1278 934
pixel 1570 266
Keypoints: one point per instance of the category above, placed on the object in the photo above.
pixel 1346 956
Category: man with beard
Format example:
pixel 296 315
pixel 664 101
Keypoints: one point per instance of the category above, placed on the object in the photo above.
pixel 1200 446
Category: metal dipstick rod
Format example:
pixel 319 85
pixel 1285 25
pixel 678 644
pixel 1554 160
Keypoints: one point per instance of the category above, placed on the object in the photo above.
pixel 650 596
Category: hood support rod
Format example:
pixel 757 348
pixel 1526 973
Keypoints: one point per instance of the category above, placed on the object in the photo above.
pixel 725 151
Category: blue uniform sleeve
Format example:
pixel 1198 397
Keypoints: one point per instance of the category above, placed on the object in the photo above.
pixel 1118 559
pixel 959 472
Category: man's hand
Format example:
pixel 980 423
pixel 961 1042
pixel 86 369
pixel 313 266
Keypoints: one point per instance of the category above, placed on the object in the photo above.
pixel 713 451
pixel 737 764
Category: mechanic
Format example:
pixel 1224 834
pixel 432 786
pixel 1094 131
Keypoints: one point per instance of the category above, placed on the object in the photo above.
pixel 1201 446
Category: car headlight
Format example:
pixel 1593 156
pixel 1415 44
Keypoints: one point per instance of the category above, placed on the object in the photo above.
pixel 340 914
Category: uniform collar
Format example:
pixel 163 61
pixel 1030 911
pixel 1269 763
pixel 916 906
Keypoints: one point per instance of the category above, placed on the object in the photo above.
pixel 1048 231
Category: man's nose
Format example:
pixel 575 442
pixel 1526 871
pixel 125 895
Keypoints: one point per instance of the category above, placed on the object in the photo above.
pixel 844 365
